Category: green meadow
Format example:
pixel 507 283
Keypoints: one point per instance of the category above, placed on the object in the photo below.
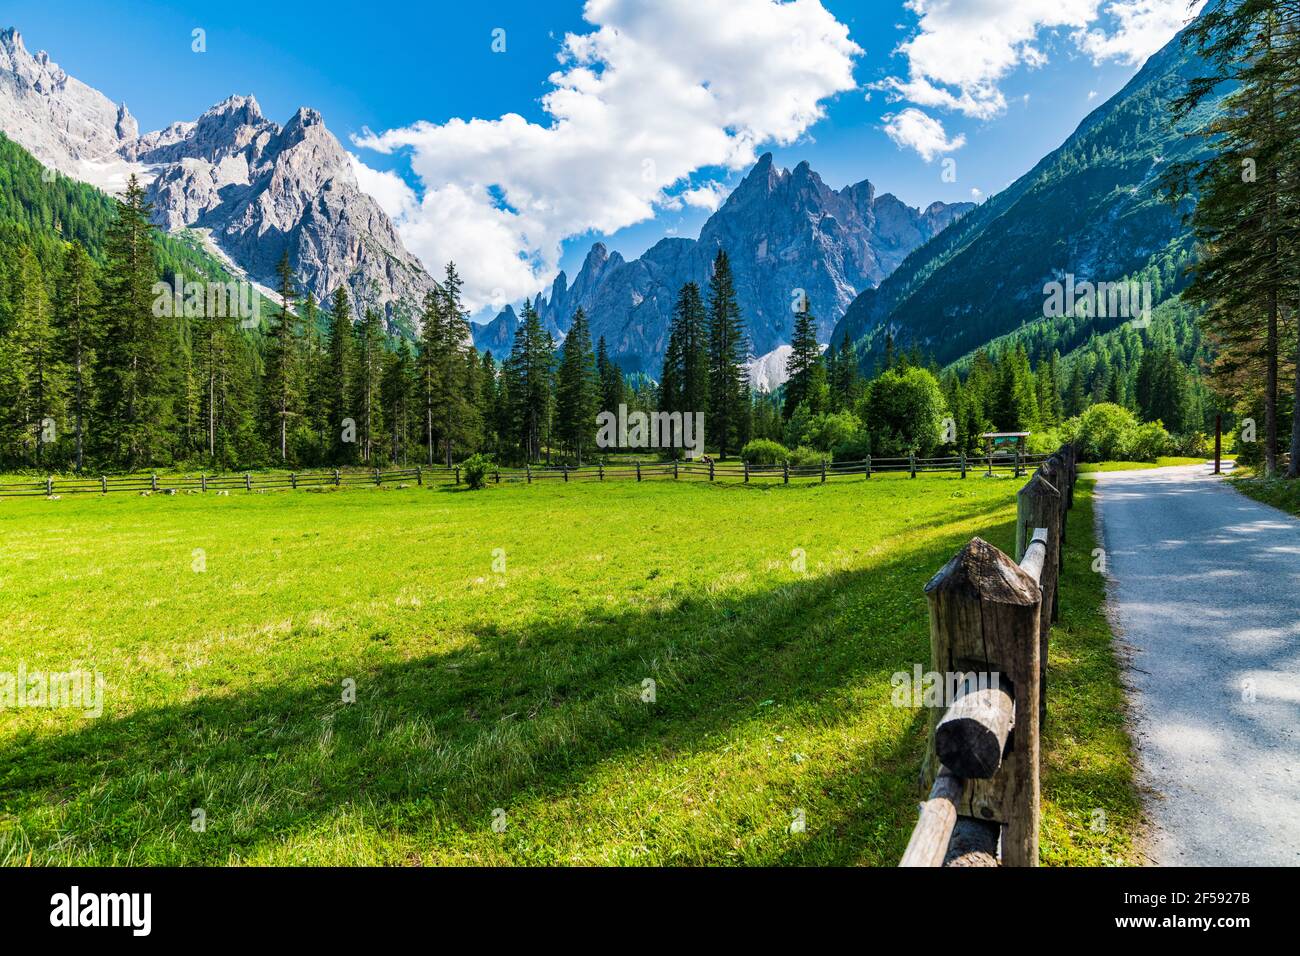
pixel 617 673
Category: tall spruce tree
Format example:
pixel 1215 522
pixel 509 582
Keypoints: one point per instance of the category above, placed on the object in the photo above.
pixel 283 381
pixel 76 302
pixel 1249 191
pixel 806 380
pixel 134 416
pixel 577 390
pixel 728 351
pixel 337 390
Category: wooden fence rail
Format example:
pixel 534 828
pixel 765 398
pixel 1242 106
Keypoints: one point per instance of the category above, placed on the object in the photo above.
pixel 734 470
pixel 990 618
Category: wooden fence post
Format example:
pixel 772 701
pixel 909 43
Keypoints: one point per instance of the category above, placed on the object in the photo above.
pixel 963 464
pixel 823 471
pixel 638 471
pixel 710 469
pixel 293 480
pixel 566 473
pixel 601 466
pixel 984 615
pixel 1038 505
pixel 528 469
pixel 911 464
pixel 103 484
pixel 498 474
pixel 49 486
pixel 338 478
pixel 153 482
pixel 746 471
pixel 203 483
pixel 868 466
pixel 785 470
pixel 248 482
pixel 458 474
pixel 378 480
pixel 419 476
pixel 674 469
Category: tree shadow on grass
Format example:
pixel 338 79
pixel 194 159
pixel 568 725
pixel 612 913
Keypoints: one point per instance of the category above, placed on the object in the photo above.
pixel 523 714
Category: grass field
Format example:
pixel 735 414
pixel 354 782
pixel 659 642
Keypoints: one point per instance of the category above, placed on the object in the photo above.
pixel 500 642
pixel 1281 493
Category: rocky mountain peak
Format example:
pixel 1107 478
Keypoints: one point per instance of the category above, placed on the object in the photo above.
pixel 256 189
pixel 783 230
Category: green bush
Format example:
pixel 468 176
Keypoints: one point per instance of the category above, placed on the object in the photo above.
pixel 803 455
pixel 764 451
pixel 475 470
pixel 1146 442
pixel 903 412
pixel 1101 432
pixel 823 432
pixel 1192 445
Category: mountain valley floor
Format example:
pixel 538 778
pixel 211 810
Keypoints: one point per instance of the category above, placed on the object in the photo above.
pixel 619 673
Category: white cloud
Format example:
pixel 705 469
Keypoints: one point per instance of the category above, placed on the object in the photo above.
pixel 394 196
pixel 708 196
pixel 657 90
pixel 1143 27
pixel 912 129
pixel 960 51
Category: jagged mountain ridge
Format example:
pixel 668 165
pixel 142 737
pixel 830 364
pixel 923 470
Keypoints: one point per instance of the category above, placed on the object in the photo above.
pixel 1092 208
pixel 253 187
pixel 783 230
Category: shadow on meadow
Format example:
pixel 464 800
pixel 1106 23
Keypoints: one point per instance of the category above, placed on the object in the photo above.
pixel 520 716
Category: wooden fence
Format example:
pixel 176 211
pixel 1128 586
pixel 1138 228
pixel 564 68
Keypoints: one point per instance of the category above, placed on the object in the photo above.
pixel 683 470
pixel 990 615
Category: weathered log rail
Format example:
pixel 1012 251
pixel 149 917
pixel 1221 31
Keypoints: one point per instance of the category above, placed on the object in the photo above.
pixel 990 618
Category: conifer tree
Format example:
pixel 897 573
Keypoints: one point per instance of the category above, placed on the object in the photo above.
pixel 577 389
pixel 727 353
pixel 75 306
pixel 283 385
pixel 337 391
pixel 134 417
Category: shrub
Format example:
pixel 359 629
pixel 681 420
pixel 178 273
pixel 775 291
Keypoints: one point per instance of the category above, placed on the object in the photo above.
pixel 823 432
pixel 1146 442
pixel 1046 442
pixel 1192 445
pixel 903 412
pixel 1101 431
pixel 475 469
pixel 803 455
pixel 764 451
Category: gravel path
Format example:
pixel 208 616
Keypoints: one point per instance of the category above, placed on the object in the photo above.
pixel 1205 593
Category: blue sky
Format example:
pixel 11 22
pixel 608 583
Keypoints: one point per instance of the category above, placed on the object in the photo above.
pixel 990 84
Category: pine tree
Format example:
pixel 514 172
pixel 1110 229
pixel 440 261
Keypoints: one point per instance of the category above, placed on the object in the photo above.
pixel 75 306
pixel 577 389
pixel 283 383
pixel 807 375
pixel 1249 189
pixel 727 353
pixel 366 383
pixel 134 416
pixel 28 376
pixel 613 388
pixel 338 379
pixel 528 374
